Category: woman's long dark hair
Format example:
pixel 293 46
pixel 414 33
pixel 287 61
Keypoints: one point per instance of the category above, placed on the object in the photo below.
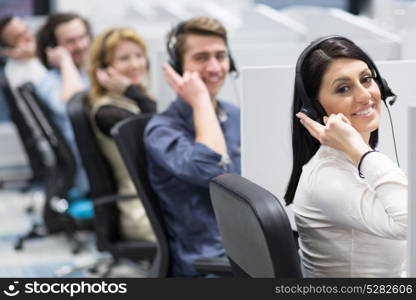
pixel 304 145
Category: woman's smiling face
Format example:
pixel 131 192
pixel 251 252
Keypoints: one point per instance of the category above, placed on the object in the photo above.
pixel 348 87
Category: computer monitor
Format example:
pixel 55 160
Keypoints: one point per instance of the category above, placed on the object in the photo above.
pixel 412 191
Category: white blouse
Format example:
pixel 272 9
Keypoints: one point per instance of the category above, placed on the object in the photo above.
pixel 350 226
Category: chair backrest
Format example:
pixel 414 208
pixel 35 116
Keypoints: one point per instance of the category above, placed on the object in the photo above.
pixel 98 169
pixel 255 229
pixel 59 160
pixel 64 158
pixel 128 135
pixel 22 120
pixel 99 172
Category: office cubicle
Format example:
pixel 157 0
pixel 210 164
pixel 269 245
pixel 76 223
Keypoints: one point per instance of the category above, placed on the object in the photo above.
pixel 399 17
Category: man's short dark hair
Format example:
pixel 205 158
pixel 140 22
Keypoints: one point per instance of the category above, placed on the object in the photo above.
pixel 3 24
pixel 46 35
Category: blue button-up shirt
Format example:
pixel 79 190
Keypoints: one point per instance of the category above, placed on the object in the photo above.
pixel 49 91
pixel 180 170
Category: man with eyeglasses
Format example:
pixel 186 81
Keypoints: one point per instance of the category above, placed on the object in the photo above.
pixel 62 46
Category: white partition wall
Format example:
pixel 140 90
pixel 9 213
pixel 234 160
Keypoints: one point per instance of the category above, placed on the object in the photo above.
pixel 399 75
pixel 257 55
pixel 261 23
pixel 412 192
pixel 379 43
pixel 266 125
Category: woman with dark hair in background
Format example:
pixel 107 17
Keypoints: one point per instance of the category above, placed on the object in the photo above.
pixel 118 71
pixel 350 201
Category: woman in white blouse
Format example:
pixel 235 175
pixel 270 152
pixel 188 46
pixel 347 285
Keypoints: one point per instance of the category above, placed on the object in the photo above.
pixel 350 202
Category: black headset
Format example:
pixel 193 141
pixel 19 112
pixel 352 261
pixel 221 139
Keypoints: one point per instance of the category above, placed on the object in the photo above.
pixel 102 53
pixel 174 59
pixel 312 107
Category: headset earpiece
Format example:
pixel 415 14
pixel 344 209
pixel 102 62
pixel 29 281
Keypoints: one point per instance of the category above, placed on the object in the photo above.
pixel 233 66
pixel 386 92
pixel 174 60
pixel 176 65
pixel 103 64
pixel 316 113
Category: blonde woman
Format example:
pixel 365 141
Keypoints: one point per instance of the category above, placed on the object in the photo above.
pixel 118 71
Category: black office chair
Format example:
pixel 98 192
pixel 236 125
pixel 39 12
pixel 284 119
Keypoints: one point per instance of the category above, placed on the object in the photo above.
pixel 129 138
pixel 30 138
pixel 21 118
pixel 58 158
pixel 255 229
pixel 103 190
pixel 38 151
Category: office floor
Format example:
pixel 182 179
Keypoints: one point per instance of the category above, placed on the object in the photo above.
pixel 47 256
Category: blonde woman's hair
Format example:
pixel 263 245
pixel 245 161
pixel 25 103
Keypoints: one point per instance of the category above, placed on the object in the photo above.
pixel 111 38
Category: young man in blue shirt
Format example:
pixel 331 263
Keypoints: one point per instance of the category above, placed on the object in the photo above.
pixel 195 139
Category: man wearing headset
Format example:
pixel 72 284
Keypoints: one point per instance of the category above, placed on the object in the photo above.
pixel 195 139
pixel 62 46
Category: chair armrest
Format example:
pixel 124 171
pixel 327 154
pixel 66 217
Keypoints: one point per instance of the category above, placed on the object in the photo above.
pixel 112 198
pixel 214 265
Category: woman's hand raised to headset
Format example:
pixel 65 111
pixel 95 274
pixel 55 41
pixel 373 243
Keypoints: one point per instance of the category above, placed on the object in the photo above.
pixel 112 80
pixel 338 134
pixel 189 87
